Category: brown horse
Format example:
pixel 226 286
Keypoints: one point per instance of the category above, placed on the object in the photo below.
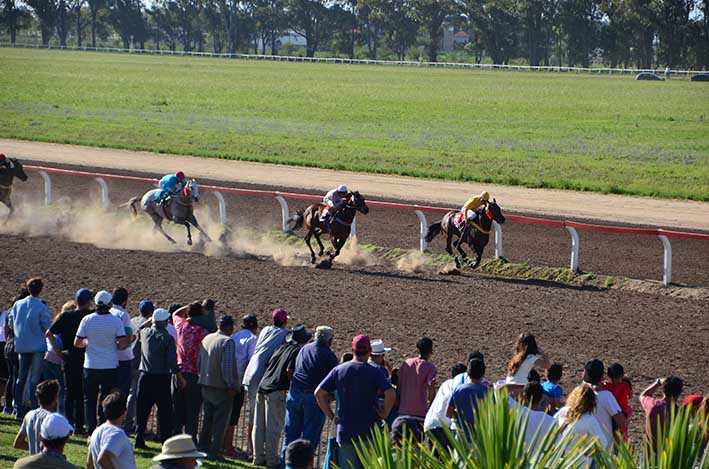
pixel 476 236
pixel 340 224
pixel 8 172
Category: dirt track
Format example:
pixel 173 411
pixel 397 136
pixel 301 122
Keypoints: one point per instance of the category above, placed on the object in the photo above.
pixel 569 204
pixel 651 335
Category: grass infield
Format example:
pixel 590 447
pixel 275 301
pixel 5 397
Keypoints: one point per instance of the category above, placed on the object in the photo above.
pixel 555 130
pixel 76 450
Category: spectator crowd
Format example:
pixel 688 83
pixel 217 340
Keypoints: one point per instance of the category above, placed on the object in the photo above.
pixel 98 371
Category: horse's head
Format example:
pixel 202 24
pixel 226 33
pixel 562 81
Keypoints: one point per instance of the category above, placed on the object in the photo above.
pixel 191 190
pixel 19 170
pixel 495 212
pixel 357 200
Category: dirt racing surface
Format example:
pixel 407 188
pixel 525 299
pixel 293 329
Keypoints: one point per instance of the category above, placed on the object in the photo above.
pixel 650 335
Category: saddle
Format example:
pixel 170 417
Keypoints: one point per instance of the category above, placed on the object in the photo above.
pixel 459 220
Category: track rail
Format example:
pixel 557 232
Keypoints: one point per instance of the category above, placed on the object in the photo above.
pixel 419 210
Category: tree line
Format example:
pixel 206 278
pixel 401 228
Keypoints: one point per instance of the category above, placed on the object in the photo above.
pixel 627 33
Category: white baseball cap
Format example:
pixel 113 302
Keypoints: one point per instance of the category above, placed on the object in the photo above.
pixel 160 315
pixel 342 188
pixel 55 426
pixel 103 298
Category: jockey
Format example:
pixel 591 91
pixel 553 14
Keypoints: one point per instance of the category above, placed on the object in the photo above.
pixel 474 203
pixel 170 184
pixel 334 201
pixel 5 161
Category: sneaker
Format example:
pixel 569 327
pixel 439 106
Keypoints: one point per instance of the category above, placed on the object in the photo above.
pixel 7 410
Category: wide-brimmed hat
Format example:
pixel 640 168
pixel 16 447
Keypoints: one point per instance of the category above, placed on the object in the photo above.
pixel 299 334
pixel 179 446
pixel 378 347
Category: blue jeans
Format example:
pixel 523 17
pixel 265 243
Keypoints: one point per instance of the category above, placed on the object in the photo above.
pixel 30 369
pixel 54 371
pixel 125 368
pixel 303 419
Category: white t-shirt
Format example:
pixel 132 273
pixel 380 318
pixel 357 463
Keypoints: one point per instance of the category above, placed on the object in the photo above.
pixel 437 412
pixel 124 316
pixel 521 376
pixel 586 425
pixel 101 331
pixel 109 437
pixel 538 425
pixel 31 425
pixel 606 408
pixel 135 324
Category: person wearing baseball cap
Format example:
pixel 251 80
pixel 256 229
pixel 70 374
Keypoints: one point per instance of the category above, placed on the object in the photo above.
pixel 270 338
pixel 54 434
pixel 66 325
pixel 158 362
pixel 102 335
pixel 245 344
pixel 358 385
pixel 304 419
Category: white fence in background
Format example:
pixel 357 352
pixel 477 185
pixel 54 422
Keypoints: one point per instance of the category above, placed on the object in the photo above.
pixel 338 60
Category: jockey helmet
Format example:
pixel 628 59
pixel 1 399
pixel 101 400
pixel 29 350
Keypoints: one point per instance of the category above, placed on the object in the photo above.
pixel 342 188
pixel 2 157
pixel 180 175
pixel 484 195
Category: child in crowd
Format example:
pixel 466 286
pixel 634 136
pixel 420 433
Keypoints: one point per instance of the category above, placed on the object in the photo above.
pixel 622 390
pixel 552 389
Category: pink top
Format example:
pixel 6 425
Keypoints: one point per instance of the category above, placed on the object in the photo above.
pixel 415 376
pixel 188 339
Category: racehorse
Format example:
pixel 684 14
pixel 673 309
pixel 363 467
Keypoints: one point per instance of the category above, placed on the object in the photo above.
pixel 8 172
pixel 178 209
pixel 340 224
pixel 476 236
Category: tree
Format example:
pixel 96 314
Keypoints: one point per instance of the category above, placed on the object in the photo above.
pixel 398 21
pixel 496 23
pixel 62 20
pixel 46 13
pixel 77 10
pixel 309 19
pixel 431 14
pixel 95 6
pixel 580 20
pixel 127 18
pixel 13 17
pixel 672 26
pixel 270 21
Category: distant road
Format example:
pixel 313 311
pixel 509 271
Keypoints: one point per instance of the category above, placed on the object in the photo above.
pixel 661 213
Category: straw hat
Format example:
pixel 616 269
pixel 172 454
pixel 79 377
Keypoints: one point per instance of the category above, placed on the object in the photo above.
pixel 179 446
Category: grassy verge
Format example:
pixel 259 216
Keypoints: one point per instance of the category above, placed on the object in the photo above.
pixel 607 134
pixel 76 450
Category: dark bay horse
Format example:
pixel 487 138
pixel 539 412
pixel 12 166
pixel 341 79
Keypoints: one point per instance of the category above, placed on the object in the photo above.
pixel 476 236
pixel 340 224
pixel 179 209
pixel 8 172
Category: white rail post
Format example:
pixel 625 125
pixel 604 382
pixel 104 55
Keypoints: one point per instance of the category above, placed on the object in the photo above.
pixel 353 231
pixel 574 248
pixel 105 201
pixel 666 261
pixel 498 239
pixel 423 230
pixel 284 212
pixel 47 187
pixel 222 207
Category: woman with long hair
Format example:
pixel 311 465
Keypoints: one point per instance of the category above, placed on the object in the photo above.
pixel 577 416
pixel 528 355
pixel 53 361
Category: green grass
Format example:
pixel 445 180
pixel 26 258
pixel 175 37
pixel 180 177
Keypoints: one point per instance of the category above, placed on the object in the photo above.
pixel 76 450
pixel 598 133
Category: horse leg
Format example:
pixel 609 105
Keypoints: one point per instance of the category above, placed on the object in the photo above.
pixel 193 220
pixel 307 241
pixel 478 256
pixel 158 227
pixel 189 234
pixel 322 247
pixel 337 244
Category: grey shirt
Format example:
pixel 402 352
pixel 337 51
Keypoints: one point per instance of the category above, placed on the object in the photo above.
pixel 270 338
pixel 158 352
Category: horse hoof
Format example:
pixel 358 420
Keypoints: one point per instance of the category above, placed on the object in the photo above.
pixel 312 260
pixel 189 242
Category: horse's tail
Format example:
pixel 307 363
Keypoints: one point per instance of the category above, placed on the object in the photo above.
pixel 297 220
pixel 131 204
pixel 433 230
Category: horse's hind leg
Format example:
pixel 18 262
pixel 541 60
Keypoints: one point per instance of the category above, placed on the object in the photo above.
pixel 307 241
pixel 322 247
pixel 158 227
pixel 193 220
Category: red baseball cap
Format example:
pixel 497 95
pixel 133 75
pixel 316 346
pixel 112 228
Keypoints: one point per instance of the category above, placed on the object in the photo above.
pixel 693 400
pixel 361 343
pixel 279 314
